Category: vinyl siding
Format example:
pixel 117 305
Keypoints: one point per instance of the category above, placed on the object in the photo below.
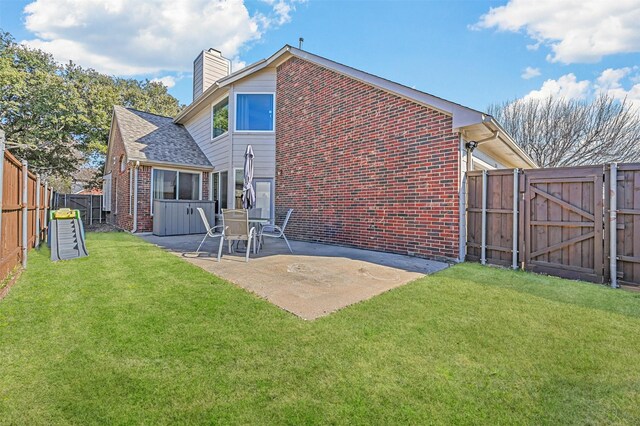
pixel 264 151
pixel 217 152
pixel 264 144
pixel 215 68
pixel 262 81
pixel 207 69
pixel 222 155
pixel 197 77
pixel 477 153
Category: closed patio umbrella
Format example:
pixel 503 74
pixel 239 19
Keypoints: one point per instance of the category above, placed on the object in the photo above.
pixel 248 194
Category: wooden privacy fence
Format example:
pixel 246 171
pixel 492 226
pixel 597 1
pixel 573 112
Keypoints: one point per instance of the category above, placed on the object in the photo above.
pixel 90 206
pixel 25 200
pixel 559 221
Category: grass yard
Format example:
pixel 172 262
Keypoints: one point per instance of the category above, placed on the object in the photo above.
pixel 132 334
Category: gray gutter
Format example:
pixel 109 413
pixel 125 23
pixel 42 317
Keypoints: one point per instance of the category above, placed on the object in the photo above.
pixel 145 162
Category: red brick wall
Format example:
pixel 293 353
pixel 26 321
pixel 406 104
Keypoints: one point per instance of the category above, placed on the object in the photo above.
pixel 362 167
pixel 145 220
pixel 119 217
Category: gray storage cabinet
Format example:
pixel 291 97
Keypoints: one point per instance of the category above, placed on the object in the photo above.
pixel 174 217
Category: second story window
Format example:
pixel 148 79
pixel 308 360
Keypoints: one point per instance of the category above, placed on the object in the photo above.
pixel 220 118
pixel 255 112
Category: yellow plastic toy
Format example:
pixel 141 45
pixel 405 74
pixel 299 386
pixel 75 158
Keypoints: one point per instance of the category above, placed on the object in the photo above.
pixel 65 214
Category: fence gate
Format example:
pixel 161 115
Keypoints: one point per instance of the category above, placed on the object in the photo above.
pixel 563 222
pixel 90 206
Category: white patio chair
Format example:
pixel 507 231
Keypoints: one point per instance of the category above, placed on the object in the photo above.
pixel 235 227
pixel 275 231
pixel 211 231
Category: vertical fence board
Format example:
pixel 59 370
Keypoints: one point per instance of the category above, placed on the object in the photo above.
pixel 628 225
pixel 499 216
pixel 87 204
pixel 563 225
pixel 12 224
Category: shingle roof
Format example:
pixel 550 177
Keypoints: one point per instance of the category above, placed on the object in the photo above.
pixel 154 138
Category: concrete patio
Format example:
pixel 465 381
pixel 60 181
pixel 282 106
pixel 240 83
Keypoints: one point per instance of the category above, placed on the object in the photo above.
pixel 313 282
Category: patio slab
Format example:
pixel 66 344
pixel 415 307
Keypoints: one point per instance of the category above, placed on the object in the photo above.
pixel 315 281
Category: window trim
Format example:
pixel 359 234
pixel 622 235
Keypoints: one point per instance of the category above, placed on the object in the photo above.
pixel 235 112
pixel 272 196
pixel 219 173
pixel 235 171
pixel 177 170
pixel 213 104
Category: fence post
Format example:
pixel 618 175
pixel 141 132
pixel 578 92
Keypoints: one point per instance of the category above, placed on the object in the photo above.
pixel 2 147
pixel 613 225
pixel 25 213
pixel 514 257
pixel 90 209
pixel 38 189
pixel 483 246
pixel 47 206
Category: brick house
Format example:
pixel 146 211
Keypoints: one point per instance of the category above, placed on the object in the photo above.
pixel 146 149
pixel 364 161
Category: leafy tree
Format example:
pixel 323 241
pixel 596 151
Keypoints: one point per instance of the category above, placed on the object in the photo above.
pixel 57 117
pixel 37 108
pixel 557 132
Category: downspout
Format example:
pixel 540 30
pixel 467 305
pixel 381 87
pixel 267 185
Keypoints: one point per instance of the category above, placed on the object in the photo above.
pixel 469 146
pixel 25 213
pixel 135 197
pixel 462 201
pixel 613 224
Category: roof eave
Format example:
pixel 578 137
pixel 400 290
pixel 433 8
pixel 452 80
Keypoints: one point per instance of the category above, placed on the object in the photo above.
pixel 505 137
pixel 147 162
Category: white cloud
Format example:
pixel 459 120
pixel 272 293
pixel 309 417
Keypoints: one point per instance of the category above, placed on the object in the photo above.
pixel 567 87
pixel 167 80
pixel 128 37
pixel 620 83
pixel 610 82
pixel 237 63
pixel 576 30
pixel 530 72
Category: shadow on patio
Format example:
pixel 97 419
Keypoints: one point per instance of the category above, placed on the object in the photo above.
pixel 315 281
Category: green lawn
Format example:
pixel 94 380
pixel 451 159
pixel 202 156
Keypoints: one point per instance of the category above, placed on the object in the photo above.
pixel 134 335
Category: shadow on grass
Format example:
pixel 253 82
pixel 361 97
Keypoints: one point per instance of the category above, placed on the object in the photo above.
pixel 576 293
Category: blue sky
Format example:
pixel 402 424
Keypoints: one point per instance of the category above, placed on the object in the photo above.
pixel 471 52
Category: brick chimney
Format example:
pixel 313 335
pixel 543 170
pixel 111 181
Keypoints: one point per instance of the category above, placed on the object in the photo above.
pixel 209 67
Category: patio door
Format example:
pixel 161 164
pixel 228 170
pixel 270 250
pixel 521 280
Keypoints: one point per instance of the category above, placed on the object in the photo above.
pixel 265 197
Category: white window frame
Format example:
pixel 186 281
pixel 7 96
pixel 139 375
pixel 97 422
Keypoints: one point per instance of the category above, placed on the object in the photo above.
pixel 106 192
pixel 220 187
pixel 214 103
pixel 272 196
pixel 235 170
pixel 235 112
pixel 177 170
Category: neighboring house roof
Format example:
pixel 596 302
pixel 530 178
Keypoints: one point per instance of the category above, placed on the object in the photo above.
pixel 94 191
pixel 154 139
pixel 477 124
